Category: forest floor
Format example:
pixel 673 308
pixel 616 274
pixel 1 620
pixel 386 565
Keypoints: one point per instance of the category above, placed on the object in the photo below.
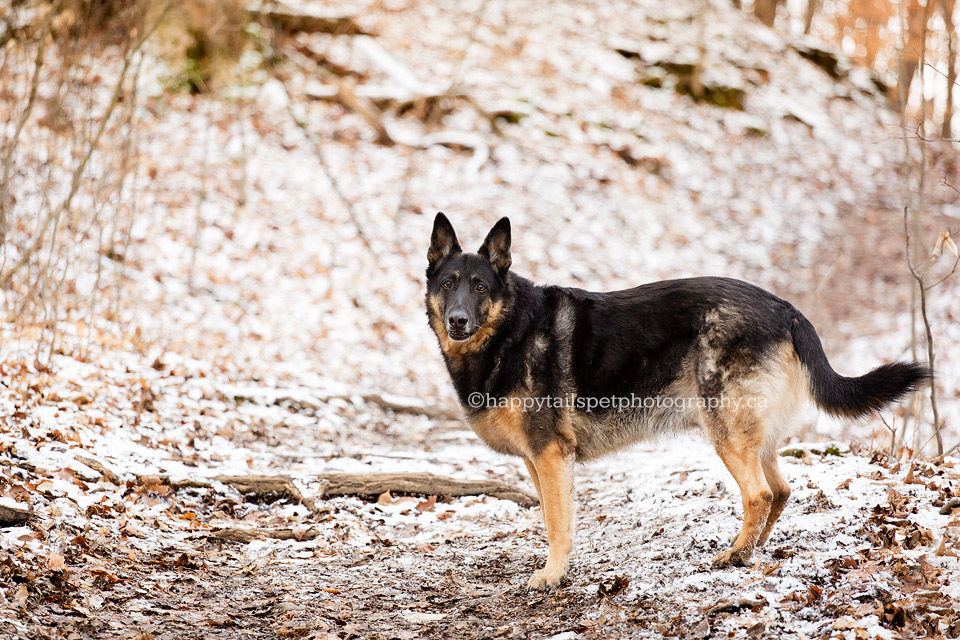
pixel 865 549
pixel 272 305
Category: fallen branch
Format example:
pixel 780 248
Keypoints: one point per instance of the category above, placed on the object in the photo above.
pixel 733 606
pixel 96 465
pixel 244 535
pixel 395 403
pixel 347 96
pixel 372 485
pixel 393 68
pixel 14 516
pixel 296 20
pixel 255 488
pixel 399 404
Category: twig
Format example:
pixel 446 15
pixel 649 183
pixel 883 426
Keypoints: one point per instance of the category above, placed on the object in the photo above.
pixel 434 116
pixel 952 271
pixel 893 435
pixel 949 79
pixel 931 355
pixel 944 183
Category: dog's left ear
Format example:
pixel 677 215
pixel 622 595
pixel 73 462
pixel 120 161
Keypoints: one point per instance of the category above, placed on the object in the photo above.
pixel 496 248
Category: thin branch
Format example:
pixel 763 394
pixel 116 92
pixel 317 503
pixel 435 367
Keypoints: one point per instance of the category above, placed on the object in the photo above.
pixel 948 452
pixel 944 183
pixel 916 135
pixel 931 355
pixel 940 281
pixel 949 79
pixel 301 122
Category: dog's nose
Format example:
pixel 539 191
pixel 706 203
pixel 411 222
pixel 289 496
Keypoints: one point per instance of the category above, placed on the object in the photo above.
pixel 457 321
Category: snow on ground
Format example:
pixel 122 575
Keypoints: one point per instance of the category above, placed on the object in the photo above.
pixel 248 348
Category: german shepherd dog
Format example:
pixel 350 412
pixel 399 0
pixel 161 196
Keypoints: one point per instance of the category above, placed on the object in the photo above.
pixel 557 375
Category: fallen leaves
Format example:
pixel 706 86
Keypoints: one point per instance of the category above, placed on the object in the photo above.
pixel 616 586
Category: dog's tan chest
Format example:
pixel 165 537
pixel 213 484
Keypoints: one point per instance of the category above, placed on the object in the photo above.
pixel 502 430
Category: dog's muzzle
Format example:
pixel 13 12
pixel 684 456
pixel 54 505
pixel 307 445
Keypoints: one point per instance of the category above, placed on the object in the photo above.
pixel 458 326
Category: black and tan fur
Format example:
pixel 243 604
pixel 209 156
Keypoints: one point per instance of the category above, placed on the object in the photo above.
pixel 692 340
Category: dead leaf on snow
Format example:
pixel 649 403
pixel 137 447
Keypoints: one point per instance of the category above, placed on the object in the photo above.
pixel 427 505
pixel 418 617
pixel 21 595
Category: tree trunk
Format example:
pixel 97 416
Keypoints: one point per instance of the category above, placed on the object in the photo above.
pixel 812 6
pixel 946 130
pixel 914 44
pixel 766 11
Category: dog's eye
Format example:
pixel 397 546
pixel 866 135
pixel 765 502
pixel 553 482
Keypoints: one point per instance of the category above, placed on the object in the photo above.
pixel 446 284
pixel 481 287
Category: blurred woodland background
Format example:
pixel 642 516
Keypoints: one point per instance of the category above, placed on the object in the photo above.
pixel 83 168
pixel 212 211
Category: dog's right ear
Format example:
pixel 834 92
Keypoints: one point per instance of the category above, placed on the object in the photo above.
pixel 443 242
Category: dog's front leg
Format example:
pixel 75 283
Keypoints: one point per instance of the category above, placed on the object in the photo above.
pixel 554 470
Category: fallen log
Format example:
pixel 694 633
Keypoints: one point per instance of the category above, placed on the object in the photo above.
pixel 372 485
pixel 267 489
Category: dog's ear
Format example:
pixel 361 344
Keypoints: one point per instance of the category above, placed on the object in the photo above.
pixel 496 247
pixel 443 242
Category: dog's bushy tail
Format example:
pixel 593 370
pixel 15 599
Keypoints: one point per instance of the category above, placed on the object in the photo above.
pixel 852 397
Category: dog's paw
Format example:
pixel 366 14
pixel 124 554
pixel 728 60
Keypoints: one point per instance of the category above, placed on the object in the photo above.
pixel 732 557
pixel 544 579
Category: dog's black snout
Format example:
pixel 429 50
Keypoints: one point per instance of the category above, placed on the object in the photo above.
pixel 457 321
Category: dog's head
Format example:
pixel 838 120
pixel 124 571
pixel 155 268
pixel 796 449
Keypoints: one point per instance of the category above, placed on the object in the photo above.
pixel 467 293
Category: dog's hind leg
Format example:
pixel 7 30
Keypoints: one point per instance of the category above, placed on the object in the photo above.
pixel 553 470
pixel 780 489
pixel 532 470
pixel 737 437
